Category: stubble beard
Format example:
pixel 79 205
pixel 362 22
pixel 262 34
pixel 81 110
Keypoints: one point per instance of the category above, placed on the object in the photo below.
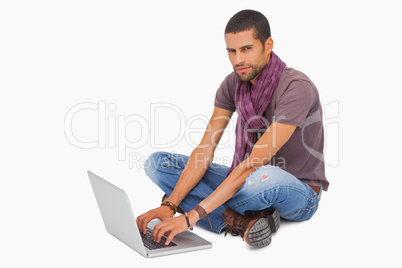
pixel 254 72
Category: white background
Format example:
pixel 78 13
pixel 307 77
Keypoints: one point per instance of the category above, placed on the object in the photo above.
pixel 55 55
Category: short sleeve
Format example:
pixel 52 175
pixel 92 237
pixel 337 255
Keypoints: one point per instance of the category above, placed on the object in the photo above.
pixel 224 97
pixel 296 103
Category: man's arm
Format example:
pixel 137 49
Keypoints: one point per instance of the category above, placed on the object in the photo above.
pixel 266 147
pixel 197 165
pixel 202 155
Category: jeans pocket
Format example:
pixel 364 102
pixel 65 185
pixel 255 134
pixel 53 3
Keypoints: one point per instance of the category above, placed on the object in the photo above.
pixel 303 214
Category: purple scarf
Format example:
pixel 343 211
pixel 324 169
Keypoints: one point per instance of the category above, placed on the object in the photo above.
pixel 251 102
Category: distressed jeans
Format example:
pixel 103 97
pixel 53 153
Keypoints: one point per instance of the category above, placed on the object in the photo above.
pixel 268 186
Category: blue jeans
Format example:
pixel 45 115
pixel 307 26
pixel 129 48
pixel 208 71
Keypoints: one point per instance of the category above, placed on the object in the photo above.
pixel 268 186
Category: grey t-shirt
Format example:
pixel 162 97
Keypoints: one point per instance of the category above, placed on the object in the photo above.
pixel 296 102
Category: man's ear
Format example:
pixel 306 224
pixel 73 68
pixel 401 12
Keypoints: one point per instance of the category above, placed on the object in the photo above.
pixel 269 44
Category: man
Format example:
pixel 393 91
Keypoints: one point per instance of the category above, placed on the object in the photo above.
pixel 277 167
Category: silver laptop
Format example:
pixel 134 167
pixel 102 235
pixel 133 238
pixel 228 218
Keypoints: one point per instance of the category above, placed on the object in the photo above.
pixel 120 222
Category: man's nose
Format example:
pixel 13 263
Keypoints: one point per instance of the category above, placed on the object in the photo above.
pixel 238 60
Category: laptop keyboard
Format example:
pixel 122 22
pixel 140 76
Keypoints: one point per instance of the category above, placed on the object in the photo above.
pixel 151 244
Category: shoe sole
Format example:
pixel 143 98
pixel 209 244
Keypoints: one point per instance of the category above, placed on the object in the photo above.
pixel 274 221
pixel 259 234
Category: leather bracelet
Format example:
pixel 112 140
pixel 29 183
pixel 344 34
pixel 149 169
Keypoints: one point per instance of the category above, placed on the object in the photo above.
pixel 202 213
pixel 188 221
pixel 171 205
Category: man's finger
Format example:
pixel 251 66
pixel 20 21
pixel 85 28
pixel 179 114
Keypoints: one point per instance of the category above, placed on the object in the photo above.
pixel 156 230
pixel 145 219
pixel 170 237
pixel 139 222
pixel 144 225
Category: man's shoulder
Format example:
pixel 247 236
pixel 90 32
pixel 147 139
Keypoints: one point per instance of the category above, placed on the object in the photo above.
pixel 225 95
pixel 290 75
pixel 292 78
pixel 231 80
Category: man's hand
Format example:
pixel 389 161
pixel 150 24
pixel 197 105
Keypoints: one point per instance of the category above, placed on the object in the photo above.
pixel 173 226
pixel 161 213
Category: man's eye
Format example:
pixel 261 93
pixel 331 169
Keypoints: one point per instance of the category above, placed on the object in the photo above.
pixel 247 48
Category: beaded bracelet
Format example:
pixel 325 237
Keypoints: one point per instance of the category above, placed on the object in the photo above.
pixel 171 205
pixel 188 221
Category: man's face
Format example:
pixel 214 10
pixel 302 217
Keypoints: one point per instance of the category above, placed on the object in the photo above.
pixel 247 54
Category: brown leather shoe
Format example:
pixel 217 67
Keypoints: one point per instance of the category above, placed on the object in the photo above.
pixel 255 229
pixel 274 219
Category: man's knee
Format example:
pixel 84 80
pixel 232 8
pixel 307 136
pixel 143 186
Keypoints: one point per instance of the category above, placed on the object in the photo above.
pixel 152 163
pixel 265 183
pixel 265 177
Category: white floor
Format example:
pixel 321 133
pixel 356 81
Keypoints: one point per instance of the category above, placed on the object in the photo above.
pixel 100 85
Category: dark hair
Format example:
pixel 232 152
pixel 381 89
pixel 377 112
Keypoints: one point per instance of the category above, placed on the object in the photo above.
pixel 250 19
